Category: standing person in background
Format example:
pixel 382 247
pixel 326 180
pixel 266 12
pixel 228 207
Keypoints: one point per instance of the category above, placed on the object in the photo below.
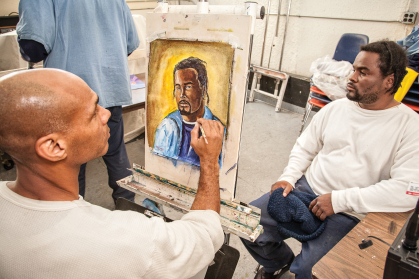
pixel 92 40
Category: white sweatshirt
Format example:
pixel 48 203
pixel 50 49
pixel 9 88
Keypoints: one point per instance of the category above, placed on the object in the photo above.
pixel 75 239
pixel 365 158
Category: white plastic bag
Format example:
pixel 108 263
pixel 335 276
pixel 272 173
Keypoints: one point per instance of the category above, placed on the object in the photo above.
pixel 331 76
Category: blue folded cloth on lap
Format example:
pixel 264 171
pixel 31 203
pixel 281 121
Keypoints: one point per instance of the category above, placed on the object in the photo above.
pixel 292 214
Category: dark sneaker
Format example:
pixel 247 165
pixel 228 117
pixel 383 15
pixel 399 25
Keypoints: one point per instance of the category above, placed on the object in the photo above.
pixel 262 274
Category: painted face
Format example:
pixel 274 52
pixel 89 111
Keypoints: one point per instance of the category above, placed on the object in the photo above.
pixel 90 127
pixel 366 84
pixel 188 91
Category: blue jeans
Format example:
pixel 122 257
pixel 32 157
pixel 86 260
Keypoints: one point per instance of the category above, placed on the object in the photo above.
pixel 270 250
pixel 116 159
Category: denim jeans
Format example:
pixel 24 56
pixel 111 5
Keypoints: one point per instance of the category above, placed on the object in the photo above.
pixel 116 159
pixel 270 250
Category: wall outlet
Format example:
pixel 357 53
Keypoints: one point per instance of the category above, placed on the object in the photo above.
pixel 409 17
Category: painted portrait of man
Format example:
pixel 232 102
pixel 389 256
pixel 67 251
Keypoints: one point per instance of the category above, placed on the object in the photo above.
pixel 173 134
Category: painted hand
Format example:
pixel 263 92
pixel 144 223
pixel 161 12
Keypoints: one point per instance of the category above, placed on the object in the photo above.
pixel 214 132
pixel 282 184
pixel 322 206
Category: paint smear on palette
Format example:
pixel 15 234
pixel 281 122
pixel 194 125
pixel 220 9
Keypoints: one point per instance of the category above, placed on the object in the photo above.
pixel 174 162
pixel 232 168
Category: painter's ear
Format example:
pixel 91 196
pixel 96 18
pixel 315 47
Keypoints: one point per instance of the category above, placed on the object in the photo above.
pixel 51 147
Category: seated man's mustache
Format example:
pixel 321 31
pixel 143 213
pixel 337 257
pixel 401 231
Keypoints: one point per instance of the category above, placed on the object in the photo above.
pixel 351 84
pixel 184 102
pixel 184 110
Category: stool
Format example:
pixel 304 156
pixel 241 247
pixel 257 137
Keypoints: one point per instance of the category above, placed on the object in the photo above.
pixel 316 98
pixel 277 75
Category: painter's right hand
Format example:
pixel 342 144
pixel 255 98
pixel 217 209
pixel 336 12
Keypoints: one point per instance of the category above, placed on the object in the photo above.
pixel 282 184
pixel 214 131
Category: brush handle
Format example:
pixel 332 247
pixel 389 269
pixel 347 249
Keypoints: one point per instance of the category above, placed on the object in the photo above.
pixel 203 134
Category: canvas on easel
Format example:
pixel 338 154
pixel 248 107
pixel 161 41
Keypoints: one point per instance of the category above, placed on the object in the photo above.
pixel 197 68
pixel 215 49
pixel 187 81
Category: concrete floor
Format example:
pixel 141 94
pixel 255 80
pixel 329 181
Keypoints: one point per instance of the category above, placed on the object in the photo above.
pixel 267 140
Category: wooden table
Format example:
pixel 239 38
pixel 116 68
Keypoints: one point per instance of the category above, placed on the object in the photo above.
pixel 347 260
pixel 133 107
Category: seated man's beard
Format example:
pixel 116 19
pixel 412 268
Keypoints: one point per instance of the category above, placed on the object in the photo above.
pixel 366 99
pixel 353 96
pixel 185 107
pixel 184 110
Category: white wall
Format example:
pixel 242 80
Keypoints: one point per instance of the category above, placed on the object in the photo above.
pixel 309 38
pixel 142 7
pixel 8 6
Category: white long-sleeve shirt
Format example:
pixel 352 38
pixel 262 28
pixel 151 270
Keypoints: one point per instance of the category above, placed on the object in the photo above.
pixel 365 158
pixel 75 239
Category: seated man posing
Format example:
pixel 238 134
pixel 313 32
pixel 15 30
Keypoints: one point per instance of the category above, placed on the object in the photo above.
pixel 51 123
pixel 358 154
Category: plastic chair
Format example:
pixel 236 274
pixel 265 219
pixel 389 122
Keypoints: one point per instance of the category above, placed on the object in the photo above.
pixel 346 50
pixel 225 262
pixel 411 98
pixel 406 84
pixel 314 99
pixel 348 46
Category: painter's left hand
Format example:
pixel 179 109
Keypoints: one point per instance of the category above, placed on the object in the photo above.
pixel 322 206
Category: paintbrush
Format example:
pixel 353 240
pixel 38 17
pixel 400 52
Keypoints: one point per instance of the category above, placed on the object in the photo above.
pixel 203 133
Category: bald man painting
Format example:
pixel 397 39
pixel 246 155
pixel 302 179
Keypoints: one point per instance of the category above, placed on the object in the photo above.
pixel 51 124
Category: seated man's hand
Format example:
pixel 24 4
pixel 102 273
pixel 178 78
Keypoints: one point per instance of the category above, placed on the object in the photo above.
pixel 322 206
pixel 282 184
pixel 214 132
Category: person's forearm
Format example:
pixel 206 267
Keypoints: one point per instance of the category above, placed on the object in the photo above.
pixel 208 195
pixel 384 196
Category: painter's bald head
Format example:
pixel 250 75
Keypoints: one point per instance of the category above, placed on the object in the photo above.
pixel 33 104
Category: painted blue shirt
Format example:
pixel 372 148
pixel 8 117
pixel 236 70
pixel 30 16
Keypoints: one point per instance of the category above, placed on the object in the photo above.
pixel 169 138
pixel 89 38
pixel 187 153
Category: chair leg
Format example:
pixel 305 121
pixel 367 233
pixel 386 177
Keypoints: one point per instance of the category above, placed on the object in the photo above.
pixel 305 117
pixel 257 268
pixel 227 238
pixel 252 90
pixel 279 99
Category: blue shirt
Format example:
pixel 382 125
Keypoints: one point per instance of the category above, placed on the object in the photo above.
pixel 187 153
pixel 89 38
pixel 411 42
pixel 169 138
